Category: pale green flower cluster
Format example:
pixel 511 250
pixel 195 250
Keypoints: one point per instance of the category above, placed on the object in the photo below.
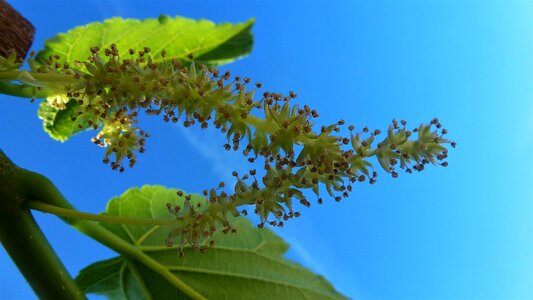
pixel 111 91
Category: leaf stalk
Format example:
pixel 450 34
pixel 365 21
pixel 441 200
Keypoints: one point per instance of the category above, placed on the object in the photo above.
pixel 74 214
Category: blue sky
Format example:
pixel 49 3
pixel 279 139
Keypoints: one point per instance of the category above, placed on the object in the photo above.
pixel 461 232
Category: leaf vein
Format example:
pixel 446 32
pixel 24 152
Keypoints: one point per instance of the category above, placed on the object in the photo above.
pixel 146 235
pixel 243 276
pixel 139 278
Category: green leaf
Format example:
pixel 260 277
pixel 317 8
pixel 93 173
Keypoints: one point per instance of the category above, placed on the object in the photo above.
pixel 247 264
pixel 58 123
pixel 211 43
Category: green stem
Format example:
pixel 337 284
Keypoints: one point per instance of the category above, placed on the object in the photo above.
pixel 42 77
pixel 74 214
pixel 26 244
pixel 105 237
pixel 37 85
pixel 52 196
pixel 35 258
pixel 25 90
pixel 37 187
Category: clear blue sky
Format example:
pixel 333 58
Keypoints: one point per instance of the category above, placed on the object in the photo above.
pixel 462 232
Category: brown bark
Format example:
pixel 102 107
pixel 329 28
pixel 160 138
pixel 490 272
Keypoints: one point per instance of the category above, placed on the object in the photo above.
pixel 16 33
